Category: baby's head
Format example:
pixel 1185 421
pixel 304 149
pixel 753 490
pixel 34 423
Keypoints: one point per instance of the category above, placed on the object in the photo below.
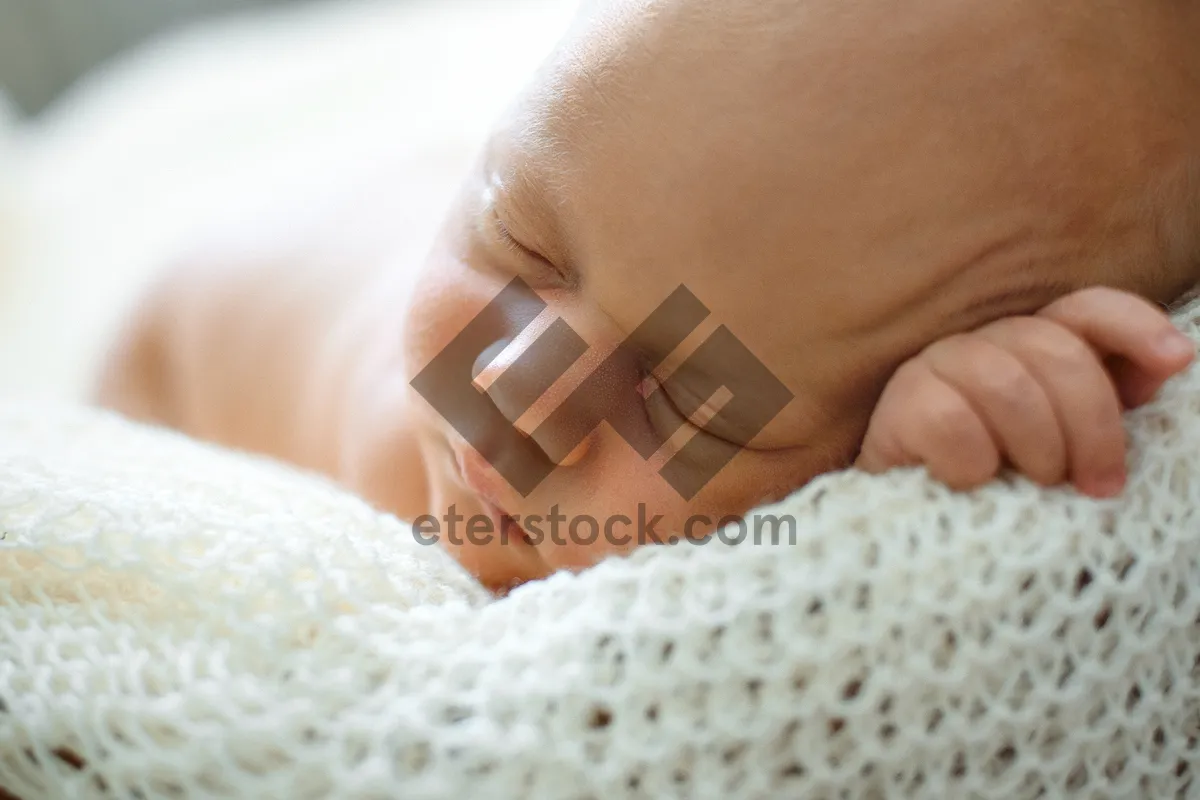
pixel 838 184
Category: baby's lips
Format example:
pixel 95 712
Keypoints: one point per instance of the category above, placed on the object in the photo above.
pixel 476 473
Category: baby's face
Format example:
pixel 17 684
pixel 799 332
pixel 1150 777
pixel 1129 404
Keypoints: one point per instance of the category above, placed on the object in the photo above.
pixel 838 184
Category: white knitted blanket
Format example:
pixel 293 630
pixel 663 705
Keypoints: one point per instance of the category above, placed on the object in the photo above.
pixel 180 622
pixel 177 621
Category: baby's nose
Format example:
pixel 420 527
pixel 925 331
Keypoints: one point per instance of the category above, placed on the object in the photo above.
pixel 520 375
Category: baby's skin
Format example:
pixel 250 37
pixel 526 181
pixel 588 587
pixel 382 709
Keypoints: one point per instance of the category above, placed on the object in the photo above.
pixel 950 235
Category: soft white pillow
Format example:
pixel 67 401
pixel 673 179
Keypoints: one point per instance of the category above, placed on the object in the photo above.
pixel 190 622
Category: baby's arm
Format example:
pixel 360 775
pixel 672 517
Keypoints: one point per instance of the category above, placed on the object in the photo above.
pixel 1042 393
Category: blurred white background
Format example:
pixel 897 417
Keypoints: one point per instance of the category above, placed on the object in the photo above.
pixel 46 44
pixel 236 117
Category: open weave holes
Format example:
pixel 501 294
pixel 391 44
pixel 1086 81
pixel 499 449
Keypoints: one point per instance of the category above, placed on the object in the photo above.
pixel 182 622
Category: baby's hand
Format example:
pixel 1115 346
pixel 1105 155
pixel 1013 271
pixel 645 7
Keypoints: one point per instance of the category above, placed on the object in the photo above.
pixel 1042 393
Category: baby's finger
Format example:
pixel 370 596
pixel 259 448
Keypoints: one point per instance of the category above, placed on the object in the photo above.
pixel 1081 393
pixel 1121 324
pixel 922 420
pixel 1135 386
pixel 1010 401
pixel 881 450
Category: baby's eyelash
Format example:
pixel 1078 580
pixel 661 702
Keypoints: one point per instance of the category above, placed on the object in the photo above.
pixel 648 383
pixel 505 234
pixel 510 241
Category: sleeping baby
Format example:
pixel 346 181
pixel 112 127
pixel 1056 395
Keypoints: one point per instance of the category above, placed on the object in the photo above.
pixel 718 248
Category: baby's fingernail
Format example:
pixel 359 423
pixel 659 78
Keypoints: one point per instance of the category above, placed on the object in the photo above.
pixel 1174 344
pixel 1105 486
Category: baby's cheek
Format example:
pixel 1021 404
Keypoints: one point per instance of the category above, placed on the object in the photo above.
pixel 435 315
pixel 610 504
pixel 756 478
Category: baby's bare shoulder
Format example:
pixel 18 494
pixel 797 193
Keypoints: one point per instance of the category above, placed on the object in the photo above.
pixel 240 332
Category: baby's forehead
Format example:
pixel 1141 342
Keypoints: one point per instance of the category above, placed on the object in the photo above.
pixel 607 111
pixel 839 191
